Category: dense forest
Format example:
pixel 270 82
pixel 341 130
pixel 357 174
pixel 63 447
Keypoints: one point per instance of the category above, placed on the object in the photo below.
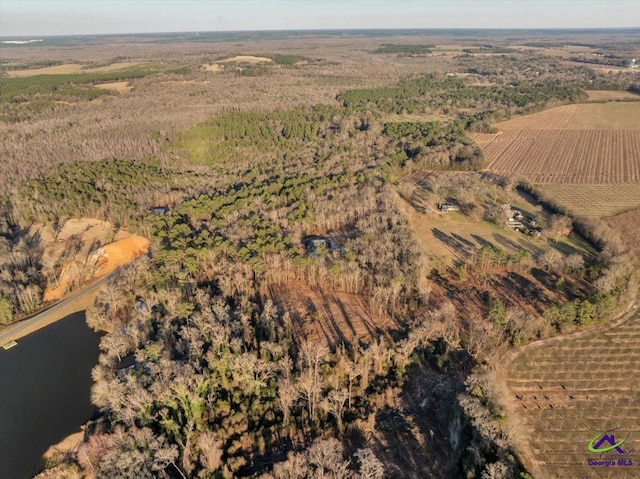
pixel 206 373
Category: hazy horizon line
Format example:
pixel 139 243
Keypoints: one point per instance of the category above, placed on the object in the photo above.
pixel 355 29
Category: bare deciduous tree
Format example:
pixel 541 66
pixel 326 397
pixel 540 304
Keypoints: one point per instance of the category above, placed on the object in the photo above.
pixel 210 451
pixel 286 398
pixel 370 466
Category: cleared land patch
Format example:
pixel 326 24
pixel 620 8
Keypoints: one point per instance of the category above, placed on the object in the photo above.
pixel 456 237
pixel 330 317
pixel 70 68
pixel 570 389
pixel 79 252
pixel 453 237
pixel 216 67
pixel 600 95
pixel 246 59
pixel 119 86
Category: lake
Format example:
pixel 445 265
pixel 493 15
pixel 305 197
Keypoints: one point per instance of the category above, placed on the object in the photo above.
pixel 45 384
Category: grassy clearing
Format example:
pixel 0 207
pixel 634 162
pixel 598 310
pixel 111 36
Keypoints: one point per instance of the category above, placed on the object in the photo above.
pixel 454 237
pixel 414 117
pixel 68 85
pixel 569 391
pixel 246 59
pixel 69 68
pixel 216 67
pixel 595 200
pixel 119 86
pixel 612 95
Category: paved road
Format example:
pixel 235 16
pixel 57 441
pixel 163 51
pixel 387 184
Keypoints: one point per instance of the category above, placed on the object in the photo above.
pixel 18 330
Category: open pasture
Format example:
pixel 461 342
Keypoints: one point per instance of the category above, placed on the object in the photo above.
pixel 612 95
pixel 246 59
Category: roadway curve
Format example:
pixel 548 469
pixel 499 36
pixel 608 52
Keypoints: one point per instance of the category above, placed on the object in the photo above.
pixel 52 314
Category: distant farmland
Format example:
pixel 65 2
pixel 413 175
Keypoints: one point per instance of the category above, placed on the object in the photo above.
pixel 573 151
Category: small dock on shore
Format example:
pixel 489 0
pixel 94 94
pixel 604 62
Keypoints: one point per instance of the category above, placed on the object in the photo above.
pixel 9 345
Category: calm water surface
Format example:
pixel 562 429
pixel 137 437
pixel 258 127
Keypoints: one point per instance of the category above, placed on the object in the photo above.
pixel 45 386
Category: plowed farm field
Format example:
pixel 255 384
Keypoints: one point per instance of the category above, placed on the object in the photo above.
pixel 595 200
pixel 576 144
pixel 565 156
pixel 586 155
pixel 582 116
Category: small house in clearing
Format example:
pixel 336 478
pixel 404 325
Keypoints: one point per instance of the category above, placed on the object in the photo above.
pixel 446 207
pixel 159 210
pixel 512 213
pixel 317 243
pixel 314 243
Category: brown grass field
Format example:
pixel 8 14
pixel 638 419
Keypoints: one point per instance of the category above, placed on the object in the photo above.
pixel 601 116
pixel 570 389
pixel 247 59
pixel 119 86
pixel 611 95
pixel 565 51
pixel 454 237
pixel 70 68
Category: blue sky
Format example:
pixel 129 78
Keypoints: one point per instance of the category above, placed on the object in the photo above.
pixel 65 17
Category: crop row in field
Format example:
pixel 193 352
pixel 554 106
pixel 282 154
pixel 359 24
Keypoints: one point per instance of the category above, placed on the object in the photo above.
pixel 594 200
pixel 565 156
pixel 569 392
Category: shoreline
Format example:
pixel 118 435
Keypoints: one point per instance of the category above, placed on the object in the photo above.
pixel 20 329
